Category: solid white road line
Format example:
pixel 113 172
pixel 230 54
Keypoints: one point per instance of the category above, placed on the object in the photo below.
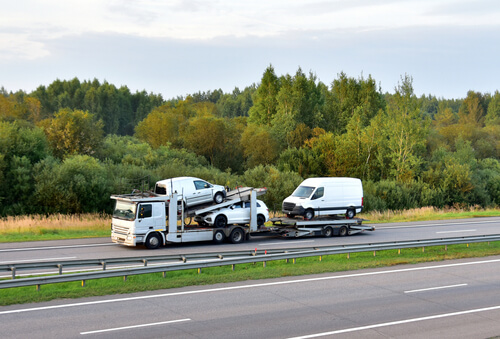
pixel 135 326
pixel 458 231
pixel 444 224
pixel 54 247
pixel 285 242
pixel 239 287
pixel 34 260
pixel 435 288
pixel 406 321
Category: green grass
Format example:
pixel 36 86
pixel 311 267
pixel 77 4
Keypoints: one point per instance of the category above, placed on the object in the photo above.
pixel 245 272
pixel 53 234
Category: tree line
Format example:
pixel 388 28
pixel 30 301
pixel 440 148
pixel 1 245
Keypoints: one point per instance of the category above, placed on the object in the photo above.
pixel 67 147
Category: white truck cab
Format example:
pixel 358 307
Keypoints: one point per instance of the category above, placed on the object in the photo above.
pixel 325 196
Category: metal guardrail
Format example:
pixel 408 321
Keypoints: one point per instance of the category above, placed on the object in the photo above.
pixel 249 257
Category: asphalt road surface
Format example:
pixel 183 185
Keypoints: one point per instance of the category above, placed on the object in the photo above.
pixel 452 299
pixel 102 248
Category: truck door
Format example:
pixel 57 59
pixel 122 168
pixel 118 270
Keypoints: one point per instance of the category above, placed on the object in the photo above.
pixel 150 216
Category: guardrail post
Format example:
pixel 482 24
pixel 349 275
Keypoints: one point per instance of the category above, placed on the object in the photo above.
pixel 446 247
pixel 199 270
pixel 374 253
pixel 164 274
pixel 38 288
pixel 60 267
pixel 320 257
pixel 348 255
pixel 399 251
pixel 83 283
pixel 13 269
pixel 233 266
pixel 103 263
pixel 294 260
pixel 263 264
pixel 423 249
pixel 145 261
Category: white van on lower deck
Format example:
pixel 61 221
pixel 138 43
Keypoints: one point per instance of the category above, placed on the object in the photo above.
pixel 325 196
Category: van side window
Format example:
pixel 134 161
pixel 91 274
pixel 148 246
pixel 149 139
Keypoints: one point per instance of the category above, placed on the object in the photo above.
pixel 319 193
pixel 145 211
pixel 201 184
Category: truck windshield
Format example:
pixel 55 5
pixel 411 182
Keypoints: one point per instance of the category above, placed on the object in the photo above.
pixel 303 192
pixel 124 210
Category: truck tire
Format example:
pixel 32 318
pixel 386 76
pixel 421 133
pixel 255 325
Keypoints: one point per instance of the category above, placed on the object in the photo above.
pixel 350 213
pixel 219 237
pixel 220 221
pixel 309 214
pixel 343 231
pixel 237 236
pixel 261 220
pixel 218 197
pixel 153 241
pixel 328 232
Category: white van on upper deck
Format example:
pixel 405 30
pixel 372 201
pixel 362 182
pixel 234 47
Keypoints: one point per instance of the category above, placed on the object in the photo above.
pixel 325 196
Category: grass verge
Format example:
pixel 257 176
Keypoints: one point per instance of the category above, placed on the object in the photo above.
pixel 243 272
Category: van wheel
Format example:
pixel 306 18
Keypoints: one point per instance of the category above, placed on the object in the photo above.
pixel 261 220
pixel 343 231
pixel 351 213
pixel 218 198
pixel 219 237
pixel 328 232
pixel 220 221
pixel 309 214
pixel 237 236
pixel 153 241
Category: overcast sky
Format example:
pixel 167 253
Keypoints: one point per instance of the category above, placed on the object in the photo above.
pixel 176 48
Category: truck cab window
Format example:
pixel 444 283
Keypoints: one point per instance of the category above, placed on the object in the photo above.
pixel 145 211
pixel 319 193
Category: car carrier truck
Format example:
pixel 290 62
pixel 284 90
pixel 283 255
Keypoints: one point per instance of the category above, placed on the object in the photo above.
pixel 153 220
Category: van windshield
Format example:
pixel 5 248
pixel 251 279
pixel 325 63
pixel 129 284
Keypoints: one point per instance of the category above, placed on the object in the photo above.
pixel 303 192
pixel 124 210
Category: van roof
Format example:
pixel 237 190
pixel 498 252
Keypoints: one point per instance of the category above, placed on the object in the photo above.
pixel 166 181
pixel 323 180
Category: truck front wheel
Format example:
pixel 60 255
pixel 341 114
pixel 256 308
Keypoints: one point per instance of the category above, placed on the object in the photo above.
pixel 153 241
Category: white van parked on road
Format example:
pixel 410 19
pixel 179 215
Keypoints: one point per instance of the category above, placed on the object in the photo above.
pixel 325 196
pixel 194 191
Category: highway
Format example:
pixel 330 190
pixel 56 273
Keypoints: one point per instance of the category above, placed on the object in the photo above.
pixel 452 299
pixel 102 248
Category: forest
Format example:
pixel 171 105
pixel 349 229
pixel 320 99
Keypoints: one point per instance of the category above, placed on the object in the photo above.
pixel 66 147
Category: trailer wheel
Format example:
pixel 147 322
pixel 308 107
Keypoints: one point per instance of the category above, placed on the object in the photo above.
pixel 237 236
pixel 219 237
pixel 261 220
pixel 328 232
pixel 153 241
pixel 350 213
pixel 309 214
pixel 218 198
pixel 343 231
pixel 220 221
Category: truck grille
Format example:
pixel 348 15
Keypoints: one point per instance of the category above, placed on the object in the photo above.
pixel 120 230
pixel 288 206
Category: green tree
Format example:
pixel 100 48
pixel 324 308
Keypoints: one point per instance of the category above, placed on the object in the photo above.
pixel 73 132
pixel 264 99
